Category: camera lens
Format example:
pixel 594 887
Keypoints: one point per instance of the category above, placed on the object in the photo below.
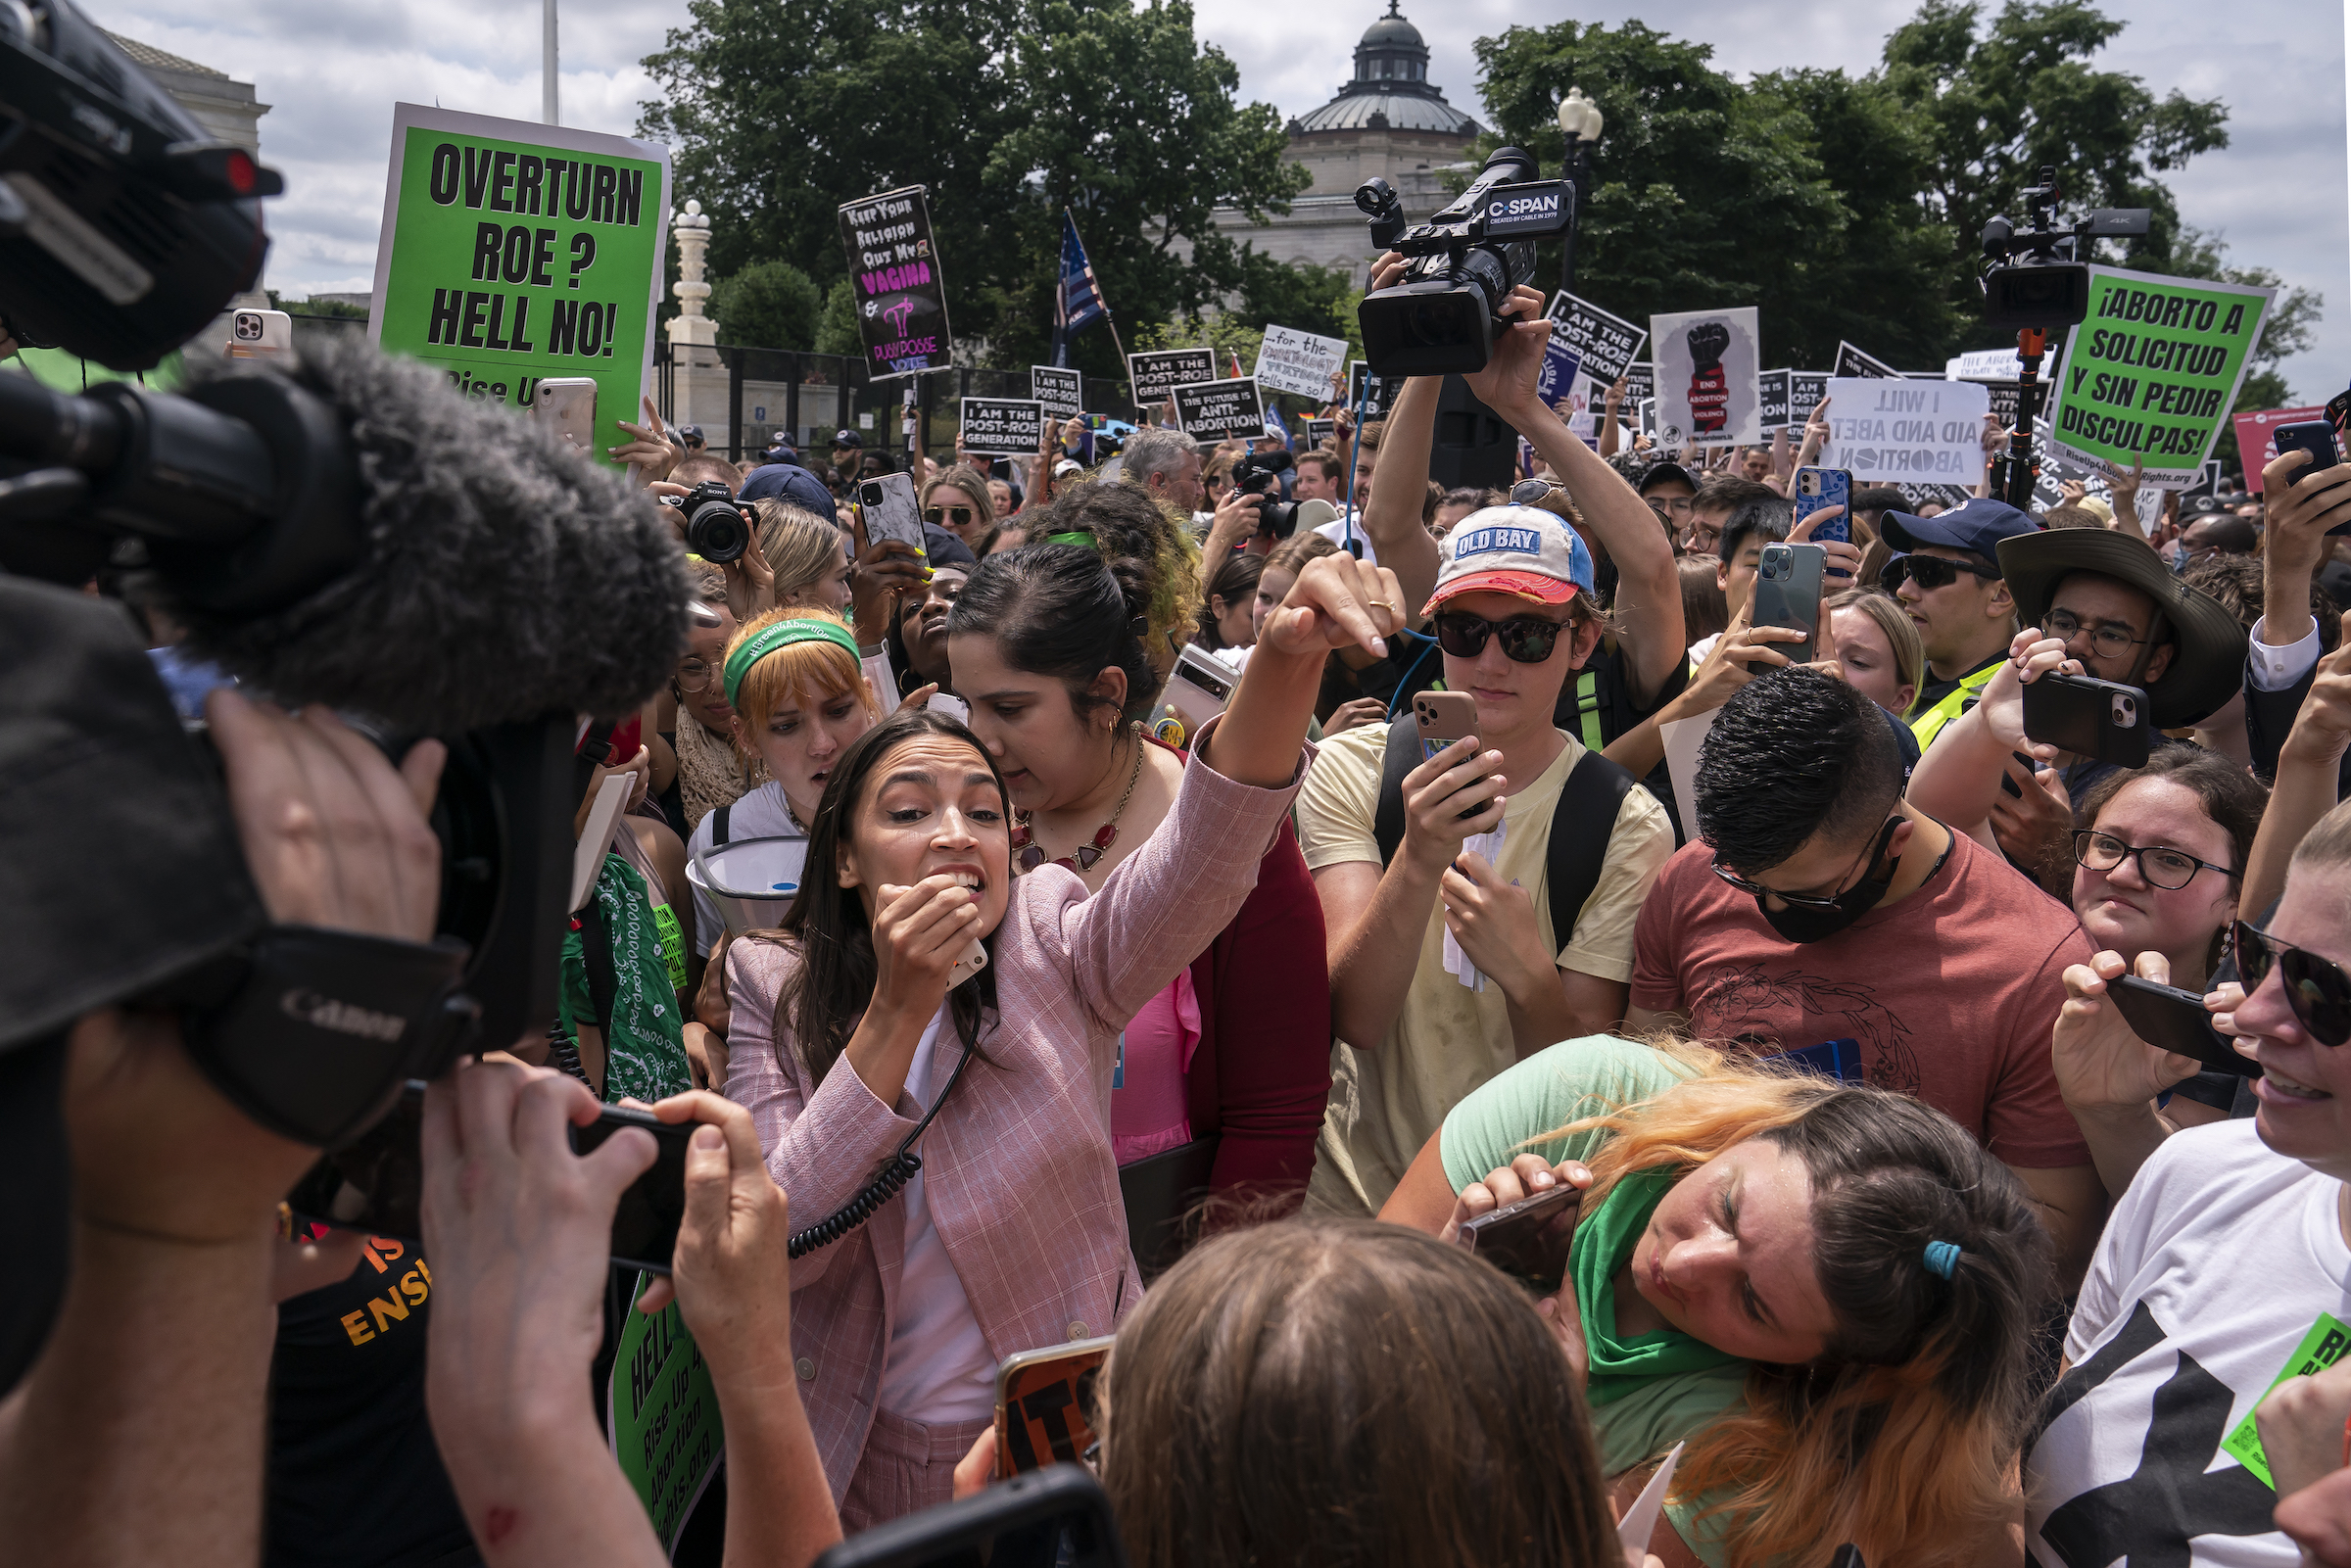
pixel 716 531
pixel 870 492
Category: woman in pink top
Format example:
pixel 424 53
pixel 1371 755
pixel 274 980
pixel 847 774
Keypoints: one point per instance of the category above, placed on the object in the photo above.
pixel 1012 1237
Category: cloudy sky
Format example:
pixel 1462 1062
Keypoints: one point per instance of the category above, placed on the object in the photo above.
pixel 331 72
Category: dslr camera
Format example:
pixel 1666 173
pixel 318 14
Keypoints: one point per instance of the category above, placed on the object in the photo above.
pixel 1254 475
pixel 718 527
pixel 1441 319
pixel 2038 277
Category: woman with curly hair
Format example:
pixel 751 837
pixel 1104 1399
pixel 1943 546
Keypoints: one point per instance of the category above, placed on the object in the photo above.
pixel 1827 1290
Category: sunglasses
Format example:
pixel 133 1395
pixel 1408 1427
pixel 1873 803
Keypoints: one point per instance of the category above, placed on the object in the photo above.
pixel 949 516
pixel 1525 638
pixel 2316 989
pixel 1929 572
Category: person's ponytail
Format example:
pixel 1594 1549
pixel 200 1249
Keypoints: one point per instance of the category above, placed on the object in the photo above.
pixel 1061 611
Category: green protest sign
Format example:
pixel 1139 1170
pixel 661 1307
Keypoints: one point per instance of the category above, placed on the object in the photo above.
pixel 661 1410
pixel 513 251
pixel 2152 372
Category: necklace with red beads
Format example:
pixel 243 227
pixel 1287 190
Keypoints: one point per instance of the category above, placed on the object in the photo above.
pixel 1027 854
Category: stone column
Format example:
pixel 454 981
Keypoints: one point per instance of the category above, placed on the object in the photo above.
pixel 700 377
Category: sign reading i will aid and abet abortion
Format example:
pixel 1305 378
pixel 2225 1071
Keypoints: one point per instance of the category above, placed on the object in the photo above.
pixel 513 251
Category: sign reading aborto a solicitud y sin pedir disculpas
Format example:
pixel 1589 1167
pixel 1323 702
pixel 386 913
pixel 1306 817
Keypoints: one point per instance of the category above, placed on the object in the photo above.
pixel 895 280
pixel 513 251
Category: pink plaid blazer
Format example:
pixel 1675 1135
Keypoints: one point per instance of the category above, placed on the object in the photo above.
pixel 1017 1168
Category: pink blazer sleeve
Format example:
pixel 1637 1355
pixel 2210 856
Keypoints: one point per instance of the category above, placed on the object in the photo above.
pixel 820 1148
pixel 1165 902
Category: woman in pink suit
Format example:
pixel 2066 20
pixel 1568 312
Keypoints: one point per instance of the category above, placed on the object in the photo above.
pixel 856 1021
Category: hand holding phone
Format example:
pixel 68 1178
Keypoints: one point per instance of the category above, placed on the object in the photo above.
pixel 1528 1240
pixel 1819 489
pixel 1046 1406
pixel 1441 719
pixel 1787 594
pixel 2104 720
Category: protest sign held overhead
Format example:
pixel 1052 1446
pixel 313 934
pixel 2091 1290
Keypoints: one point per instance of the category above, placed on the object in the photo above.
pixel 1002 427
pixel 1805 389
pixel 1707 366
pixel 1905 432
pixel 1062 392
pixel 1851 362
pixel 514 251
pixel 1217 410
pixel 1290 361
pixel 1560 365
pixel 1370 395
pixel 1318 431
pixel 1984 364
pixel 1771 391
pixel 895 280
pixel 2256 442
pixel 1639 383
pixel 1607 343
pixel 2153 371
pixel 1160 371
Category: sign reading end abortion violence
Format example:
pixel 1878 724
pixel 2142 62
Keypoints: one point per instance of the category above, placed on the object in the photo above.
pixel 893 278
pixel 2152 372
pixel 514 251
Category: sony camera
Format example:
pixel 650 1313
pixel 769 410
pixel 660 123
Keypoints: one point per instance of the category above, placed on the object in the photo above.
pixel 1442 317
pixel 1254 475
pixel 2040 277
pixel 718 527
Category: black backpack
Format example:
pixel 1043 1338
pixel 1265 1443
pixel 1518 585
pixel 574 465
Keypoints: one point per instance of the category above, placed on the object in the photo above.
pixel 1572 860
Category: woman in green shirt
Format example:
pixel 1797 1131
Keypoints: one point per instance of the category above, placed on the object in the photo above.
pixel 1828 1291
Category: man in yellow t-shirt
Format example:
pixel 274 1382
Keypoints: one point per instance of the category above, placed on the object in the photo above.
pixel 1514 620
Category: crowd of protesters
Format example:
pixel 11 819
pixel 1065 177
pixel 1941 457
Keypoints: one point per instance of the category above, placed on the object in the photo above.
pixel 1214 1038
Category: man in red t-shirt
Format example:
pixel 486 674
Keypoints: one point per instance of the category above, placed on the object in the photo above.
pixel 1818 914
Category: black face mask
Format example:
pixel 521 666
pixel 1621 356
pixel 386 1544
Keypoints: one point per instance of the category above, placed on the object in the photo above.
pixel 1798 924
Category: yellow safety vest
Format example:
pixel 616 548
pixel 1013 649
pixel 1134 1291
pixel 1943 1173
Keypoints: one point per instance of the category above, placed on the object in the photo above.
pixel 1928 725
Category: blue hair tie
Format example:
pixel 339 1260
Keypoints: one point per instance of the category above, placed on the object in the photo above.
pixel 1943 1257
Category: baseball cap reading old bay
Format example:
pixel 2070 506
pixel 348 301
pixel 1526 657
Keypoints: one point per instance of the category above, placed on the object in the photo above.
pixel 1513 549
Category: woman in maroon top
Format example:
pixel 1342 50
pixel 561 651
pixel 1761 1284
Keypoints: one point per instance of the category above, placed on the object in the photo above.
pixel 1049 646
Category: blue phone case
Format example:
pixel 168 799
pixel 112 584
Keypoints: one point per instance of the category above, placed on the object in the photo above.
pixel 1835 487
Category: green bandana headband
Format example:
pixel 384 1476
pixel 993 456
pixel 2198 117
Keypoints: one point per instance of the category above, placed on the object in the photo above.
pixel 1077 535
pixel 781 635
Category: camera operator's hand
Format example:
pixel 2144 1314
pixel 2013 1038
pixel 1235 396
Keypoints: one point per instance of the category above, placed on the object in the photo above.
pixel 1236 518
pixel 878 574
pixel 1439 791
pixel 750 581
pixel 1388 271
pixel 1513 370
pixel 731 1275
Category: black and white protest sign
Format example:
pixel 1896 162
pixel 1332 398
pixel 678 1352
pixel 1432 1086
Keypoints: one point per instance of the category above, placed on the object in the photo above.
pixel 1062 392
pixel 1771 390
pixel 1805 389
pixel 1217 410
pixel 1160 371
pixel 1607 343
pixel 1707 362
pixel 1640 382
pixel 1291 360
pixel 1370 395
pixel 893 275
pixel 1905 432
pixel 1851 362
pixel 1318 431
pixel 1002 427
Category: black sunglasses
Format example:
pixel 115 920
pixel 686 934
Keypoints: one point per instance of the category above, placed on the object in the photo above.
pixel 2316 989
pixel 1525 638
pixel 1929 572
pixel 937 516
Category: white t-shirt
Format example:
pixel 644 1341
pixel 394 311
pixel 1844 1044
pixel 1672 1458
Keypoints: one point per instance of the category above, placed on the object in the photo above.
pixel 1336 532
pixel 2216 1267
pixel 938 1367
pixel 761 814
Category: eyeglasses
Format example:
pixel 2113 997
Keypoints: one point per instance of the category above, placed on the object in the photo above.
pixel 1525 638
pixel 2108 638
pixel 2158 867
pixel 1877 847
pixel 695 676
pixel 2316 989
pixel 949 516
pixel 1929 572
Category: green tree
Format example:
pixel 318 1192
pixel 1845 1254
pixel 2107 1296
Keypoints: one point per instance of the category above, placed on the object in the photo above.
pixel 768 305
pixel 2290 327
pixel 837 331
pixel 2005 98
pixel 1298 294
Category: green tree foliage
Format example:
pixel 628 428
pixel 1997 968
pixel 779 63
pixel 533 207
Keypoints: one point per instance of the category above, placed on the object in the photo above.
pixel 2290 327
pixel 769 305
pixel 779 111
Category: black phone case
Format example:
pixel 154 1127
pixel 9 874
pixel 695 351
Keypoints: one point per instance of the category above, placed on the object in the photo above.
pixel 644 1226
pixel 2170 1019
pixel 2080 715
pixel 1528 1240
pixel 1055 1516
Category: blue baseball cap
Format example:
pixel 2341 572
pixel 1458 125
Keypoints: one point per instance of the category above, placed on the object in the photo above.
pixel 1977 524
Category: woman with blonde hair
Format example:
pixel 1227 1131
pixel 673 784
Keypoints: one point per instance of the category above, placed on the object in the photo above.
pixel 958 502
pixel 1877 645
pixel 1828 1291
pixel 806 555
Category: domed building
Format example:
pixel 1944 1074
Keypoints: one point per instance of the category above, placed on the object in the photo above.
pixel 1391 122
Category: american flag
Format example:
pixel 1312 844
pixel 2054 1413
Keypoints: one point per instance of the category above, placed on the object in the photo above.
pixel 1078 301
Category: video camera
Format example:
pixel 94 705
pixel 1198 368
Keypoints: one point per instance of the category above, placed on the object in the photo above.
pixel 2038 278
pixel 718 527
pixel 1466 260
pixel 1254 475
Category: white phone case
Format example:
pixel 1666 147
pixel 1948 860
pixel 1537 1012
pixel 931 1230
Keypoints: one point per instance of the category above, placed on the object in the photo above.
pixel 974 960
pixel 566 404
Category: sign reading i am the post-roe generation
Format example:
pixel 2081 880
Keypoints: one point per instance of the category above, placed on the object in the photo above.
pixel 2153 371
pixel 514 251
pixel 893 277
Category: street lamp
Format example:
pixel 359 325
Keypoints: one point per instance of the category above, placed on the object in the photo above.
pixel 1580 122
